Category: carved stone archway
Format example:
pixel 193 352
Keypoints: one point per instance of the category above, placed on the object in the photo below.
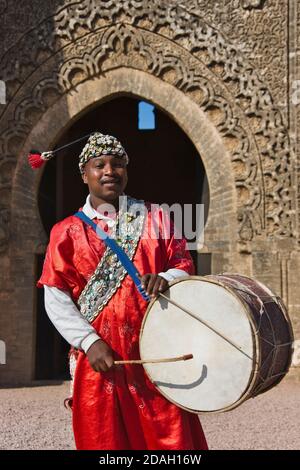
pixel 30 237
pixel 185 66
pixel 180 108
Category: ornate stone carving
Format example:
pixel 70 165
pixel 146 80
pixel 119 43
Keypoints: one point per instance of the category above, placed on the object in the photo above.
pixel 190 54
pixel 260 35
pixel 296 123
pixel 3 6
pixel 252 4
pixel 4 229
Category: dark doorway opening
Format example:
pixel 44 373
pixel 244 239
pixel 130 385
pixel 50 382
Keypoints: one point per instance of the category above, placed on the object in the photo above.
pixel 164 167
pixel 51 349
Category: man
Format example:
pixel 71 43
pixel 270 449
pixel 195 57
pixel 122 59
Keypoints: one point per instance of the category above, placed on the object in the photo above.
pixel 96 307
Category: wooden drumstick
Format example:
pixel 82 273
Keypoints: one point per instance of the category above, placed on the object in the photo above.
pixel 186 357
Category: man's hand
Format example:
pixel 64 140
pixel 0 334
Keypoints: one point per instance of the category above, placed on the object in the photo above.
pixel 100 356
pixel 153 284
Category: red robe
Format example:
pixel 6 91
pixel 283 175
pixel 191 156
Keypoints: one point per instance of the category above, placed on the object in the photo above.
pixel 120 409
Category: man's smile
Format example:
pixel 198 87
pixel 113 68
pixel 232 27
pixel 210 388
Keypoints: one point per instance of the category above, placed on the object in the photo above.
pixel 110 181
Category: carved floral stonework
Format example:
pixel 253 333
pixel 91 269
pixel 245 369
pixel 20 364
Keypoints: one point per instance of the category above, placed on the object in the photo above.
pixel 178 46
pixel 295 121
pixel 3 6
pixel 252 3
pixel 260 32
pixel 4 229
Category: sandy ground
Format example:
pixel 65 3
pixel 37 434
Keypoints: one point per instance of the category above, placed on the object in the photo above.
pixel 34 418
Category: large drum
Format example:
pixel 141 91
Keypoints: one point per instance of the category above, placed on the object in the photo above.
pixel 237 330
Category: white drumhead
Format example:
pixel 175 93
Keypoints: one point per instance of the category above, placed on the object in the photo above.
pixel 218 374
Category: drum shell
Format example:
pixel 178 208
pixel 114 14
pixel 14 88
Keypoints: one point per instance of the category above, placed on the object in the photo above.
pixel 273 333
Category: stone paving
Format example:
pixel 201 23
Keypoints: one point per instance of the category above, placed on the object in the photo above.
pixel 34 418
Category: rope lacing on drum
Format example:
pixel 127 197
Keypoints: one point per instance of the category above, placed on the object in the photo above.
pixel 273 351
pixel 274 345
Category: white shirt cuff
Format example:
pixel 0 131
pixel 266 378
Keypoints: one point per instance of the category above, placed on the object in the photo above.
pixel 87 342
pixel 173 273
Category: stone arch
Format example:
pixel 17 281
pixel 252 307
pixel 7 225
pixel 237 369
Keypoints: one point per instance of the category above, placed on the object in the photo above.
pixel 29 236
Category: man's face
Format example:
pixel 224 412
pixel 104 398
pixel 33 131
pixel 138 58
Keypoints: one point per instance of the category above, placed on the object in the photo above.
pixel 106 177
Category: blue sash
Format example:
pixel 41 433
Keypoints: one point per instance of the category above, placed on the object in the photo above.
pixel 113 245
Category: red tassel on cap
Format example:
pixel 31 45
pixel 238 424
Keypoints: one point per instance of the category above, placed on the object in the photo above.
pixel 35 159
